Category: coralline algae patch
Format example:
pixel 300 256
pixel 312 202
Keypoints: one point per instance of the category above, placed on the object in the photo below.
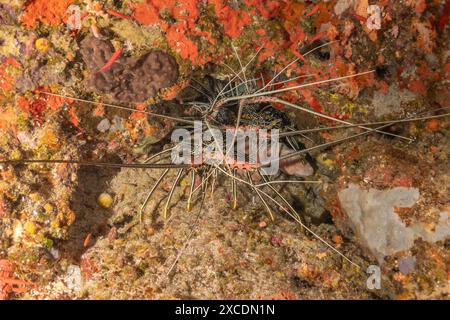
pixel 202 32
pixel 217 22
pixel 48 12
pixel 8 70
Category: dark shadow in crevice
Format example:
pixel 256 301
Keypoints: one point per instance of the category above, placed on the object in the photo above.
pixel 90 217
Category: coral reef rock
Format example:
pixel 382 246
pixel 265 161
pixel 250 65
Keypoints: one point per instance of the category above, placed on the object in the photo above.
pixel 379 228
pixel 127 79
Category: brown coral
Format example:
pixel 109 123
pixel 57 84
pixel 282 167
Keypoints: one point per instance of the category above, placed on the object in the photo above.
pixel 128 79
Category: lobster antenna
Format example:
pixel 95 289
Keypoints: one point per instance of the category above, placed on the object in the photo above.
pixel 327 144
pixel 293 133
pixel 291 63
pixel 216 99
pixel 305 85
pixel 151 114
pixel 99 164
pixel 287 211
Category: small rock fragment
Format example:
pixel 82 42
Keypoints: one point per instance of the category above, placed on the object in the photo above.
pixel 105 200
pixel 406 264
pixel 55 253
pixel 73 278
pixel 104 125
pixel 30 227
